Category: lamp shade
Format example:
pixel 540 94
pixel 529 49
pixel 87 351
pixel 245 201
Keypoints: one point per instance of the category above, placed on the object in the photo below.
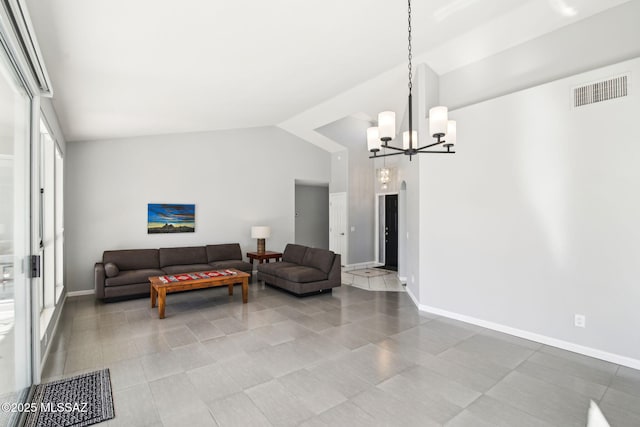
pixel 438 120
pixel 451 132
pixel 405 139
pixel 260 232
pixel 387 125
pixel 373 139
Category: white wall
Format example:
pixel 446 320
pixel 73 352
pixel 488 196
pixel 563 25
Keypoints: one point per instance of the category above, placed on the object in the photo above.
pixel 339 172
pixel 411 202
pixel 602 39
pixel 409 224
pixel 236 179
pixel 536 219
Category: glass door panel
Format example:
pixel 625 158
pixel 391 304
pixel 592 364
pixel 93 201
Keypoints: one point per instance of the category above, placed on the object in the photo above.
pixel 59 215
pixel 15 330
pixel 47 218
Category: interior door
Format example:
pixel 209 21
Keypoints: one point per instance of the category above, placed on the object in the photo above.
pixel 338 225
pixel 15 325
pixel 391 231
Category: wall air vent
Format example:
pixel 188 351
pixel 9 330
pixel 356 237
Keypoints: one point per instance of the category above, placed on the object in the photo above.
pixel 603 90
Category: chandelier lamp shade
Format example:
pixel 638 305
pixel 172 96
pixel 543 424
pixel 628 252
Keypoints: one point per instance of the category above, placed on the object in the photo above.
pixel 441 128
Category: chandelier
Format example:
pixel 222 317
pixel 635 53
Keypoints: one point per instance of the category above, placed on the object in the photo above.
pixel 385 175
pixel 378 137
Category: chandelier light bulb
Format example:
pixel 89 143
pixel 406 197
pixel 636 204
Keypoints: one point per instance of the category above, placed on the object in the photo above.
pixel 387 125
pixel 373 139
pixel 451 132
pixel 405 139
pixel 438 117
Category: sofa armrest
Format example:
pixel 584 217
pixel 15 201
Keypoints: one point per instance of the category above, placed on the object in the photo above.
pixel 99 278
pixel 335 274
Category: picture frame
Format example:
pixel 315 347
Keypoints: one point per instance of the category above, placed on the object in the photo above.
pixel 171 218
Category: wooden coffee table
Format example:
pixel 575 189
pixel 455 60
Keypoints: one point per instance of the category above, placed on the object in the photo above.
pixel 159 289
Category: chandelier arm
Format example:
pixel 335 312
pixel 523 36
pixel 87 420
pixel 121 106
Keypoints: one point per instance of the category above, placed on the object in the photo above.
pixel 393 148
pixel 431 145
pixel 385 155
pixel 436 152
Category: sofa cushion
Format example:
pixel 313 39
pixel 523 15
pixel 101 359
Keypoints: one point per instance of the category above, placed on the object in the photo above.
pixel 129 277
pixel 133 259
pixel 182 256
pixel 321 259
pixel 294 253
pixel 301 274
pixel 231 263
pixel 111 270
pixel 186 268
pixel 223 252
pixel 272 268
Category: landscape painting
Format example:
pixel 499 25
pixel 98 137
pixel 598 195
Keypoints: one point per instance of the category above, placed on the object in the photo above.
pixel 166 218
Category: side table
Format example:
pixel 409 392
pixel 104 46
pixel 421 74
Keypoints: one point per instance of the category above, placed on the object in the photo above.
pixel 266 256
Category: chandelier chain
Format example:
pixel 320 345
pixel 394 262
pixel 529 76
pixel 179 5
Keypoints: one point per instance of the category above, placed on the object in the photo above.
pixel 410 56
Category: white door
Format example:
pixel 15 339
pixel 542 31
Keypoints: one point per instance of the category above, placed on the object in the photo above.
pixel 15 326
pixel 338 224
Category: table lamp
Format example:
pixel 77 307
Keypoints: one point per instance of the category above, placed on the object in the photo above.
pixel 260 232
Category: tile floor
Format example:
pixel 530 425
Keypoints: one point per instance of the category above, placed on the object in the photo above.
pixel 351 358
pixel 373 279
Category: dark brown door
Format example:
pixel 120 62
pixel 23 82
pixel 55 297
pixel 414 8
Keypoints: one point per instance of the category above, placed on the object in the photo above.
pixel 391 232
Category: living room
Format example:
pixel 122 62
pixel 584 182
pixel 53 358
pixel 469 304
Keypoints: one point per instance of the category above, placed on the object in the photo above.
pixel 531 223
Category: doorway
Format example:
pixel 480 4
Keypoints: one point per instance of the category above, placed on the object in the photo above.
pixel 312 215
pixel 391 232
pixel 387 230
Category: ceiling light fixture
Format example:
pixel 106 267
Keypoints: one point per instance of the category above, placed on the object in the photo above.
pixel 385 175
pixel 439 127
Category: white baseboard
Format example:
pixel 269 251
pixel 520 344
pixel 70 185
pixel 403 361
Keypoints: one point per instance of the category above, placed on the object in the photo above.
pixel 81 293
pixel 413 298
pixel 532 336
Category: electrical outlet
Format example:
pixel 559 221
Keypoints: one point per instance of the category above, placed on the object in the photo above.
pixel 580 321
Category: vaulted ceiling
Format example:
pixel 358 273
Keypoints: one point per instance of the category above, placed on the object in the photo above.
pixel 141 67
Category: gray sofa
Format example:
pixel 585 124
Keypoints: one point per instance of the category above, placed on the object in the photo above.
pixel 125 273
pixel 303 270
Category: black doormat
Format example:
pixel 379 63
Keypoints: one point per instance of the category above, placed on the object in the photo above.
pixel 79 401
pixel 388 267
